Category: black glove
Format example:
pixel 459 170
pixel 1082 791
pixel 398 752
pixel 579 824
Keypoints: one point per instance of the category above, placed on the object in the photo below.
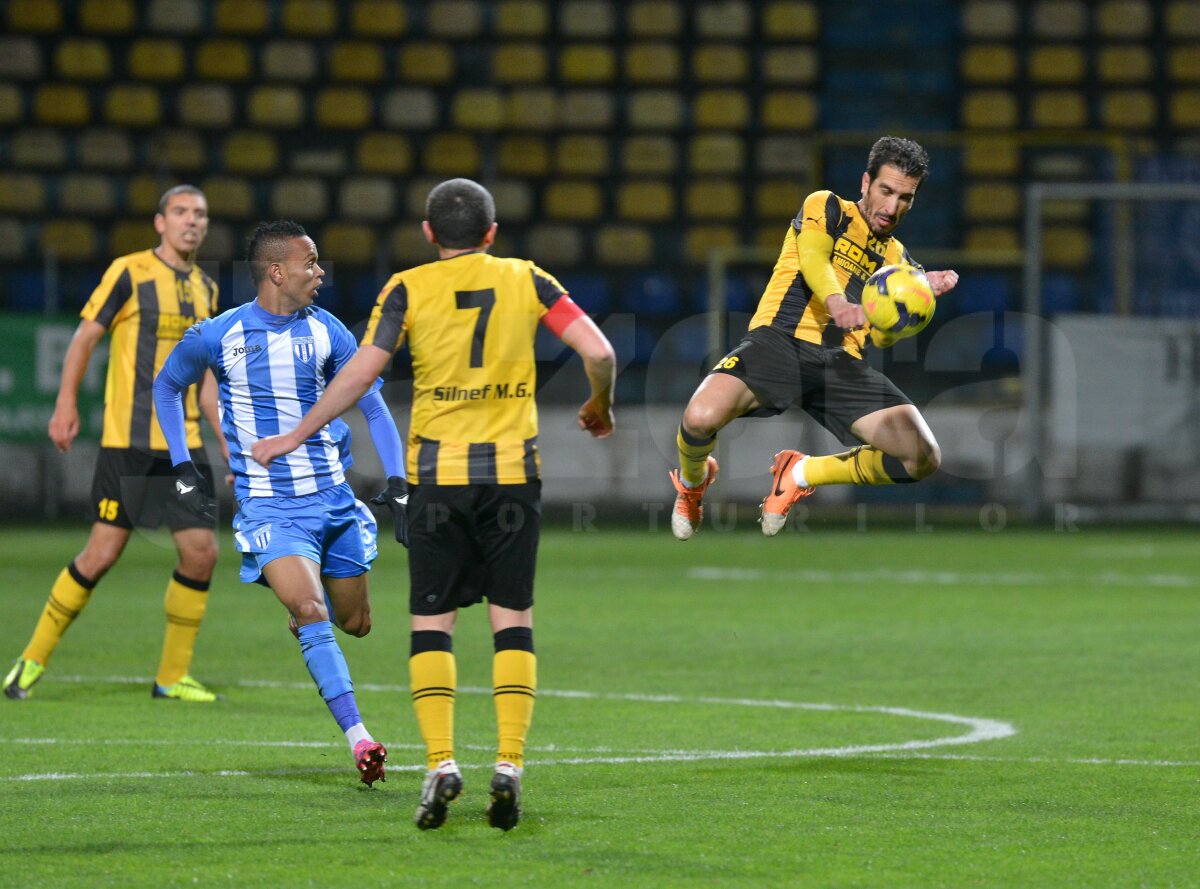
pixel 194 492
pixel 395 498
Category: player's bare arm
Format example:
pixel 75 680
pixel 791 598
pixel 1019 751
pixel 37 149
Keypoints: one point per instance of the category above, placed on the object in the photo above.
pixel 344 391
pixel 845 314
pixel 942 282
pixel 64 422
pixel 599 363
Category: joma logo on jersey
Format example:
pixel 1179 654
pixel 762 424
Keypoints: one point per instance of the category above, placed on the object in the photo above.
pixel 304 348
pixel 850 256
pixel 244 350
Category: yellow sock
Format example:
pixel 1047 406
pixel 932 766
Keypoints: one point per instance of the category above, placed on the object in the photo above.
pixel 693 456
pixel 433 676
pixel 71 591
pixel 185 603
pixel 514 680
pixel 859 466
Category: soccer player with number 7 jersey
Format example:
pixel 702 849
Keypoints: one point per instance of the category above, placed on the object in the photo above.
pixel 475 498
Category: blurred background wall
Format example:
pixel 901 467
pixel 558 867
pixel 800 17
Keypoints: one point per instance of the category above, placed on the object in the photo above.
pixel 650 153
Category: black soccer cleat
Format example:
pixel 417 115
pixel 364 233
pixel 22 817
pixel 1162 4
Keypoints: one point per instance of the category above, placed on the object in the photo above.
pixel 504 811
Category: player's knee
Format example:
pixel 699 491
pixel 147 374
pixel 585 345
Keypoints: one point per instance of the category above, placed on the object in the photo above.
pixel 310 612
pixel 199 561
pixel 927 462
pixel 701 420
pixel 357 624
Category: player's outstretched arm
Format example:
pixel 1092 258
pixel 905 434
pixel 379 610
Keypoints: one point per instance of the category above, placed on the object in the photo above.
pixel 64 422
pixel 942 282
pixel 600 365
pixel 347 387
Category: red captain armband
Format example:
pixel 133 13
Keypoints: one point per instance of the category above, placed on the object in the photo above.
pixel 561 314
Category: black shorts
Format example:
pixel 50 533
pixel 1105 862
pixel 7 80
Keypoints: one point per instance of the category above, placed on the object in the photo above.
pixel 833 386
pixel 133 487
pixel 471 542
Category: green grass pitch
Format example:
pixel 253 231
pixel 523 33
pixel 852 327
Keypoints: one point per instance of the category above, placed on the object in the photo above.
pixel 832 708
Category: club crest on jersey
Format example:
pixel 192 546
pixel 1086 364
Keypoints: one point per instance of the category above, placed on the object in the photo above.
pixel 304 348
pixel 262 537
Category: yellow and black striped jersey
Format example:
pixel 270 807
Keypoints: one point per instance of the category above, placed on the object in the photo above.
pixel 470 321
pixel 788 303
pixel 146 305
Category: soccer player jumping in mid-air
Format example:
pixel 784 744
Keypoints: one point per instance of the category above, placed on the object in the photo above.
pixel 299 527
pixel 805 346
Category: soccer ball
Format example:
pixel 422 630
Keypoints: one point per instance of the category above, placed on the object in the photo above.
pixel 899 302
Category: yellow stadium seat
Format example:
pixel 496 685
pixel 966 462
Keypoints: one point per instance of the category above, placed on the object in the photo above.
pixel 1065 165
pixel 343 108
pixel 250 152
pixel 367 197
pixel 181 151
pixel 408 246
pixel 1066 246
pixel 989 63
pixel 587 63
pixel 1059 20
pixel 523 156
pixel 357 61
pixel 1125 64
pixel 230 197
pixel 991 156
pixel 990 19
pixel 86 194
pixel 649 155
pixel 624 245
pixel 452 154
pixel 989 110
pixel 12 239
pixel 378 19
pixel 388 154
pixel 573 200
pixel 720 63
pixel 991 238
pixel 715 153
pixel 1129 109
pixel 724 19
pixel 132 105
pixel 12 106
pixel 72 240
pixel 722 109
pixel 208 107
pixel 586 19
pixel 645 201
pixel 655 18
pixel 1067 211
pixel 78 58
pixel 61 104
pixel 22 193
pixel 785 155
pixel 131 236
pixel 714 199
pixel 310 18
pixel 587 110
pixel 38 148
pixel 1059 109
pixel 276 106
pixel 455 19
pixel 224 59
pixel 1125 19
pixel 34 16
pixel 1057 65
pixel 242 16
pixel 532 109
pixel 175 16
pixel 142 194
pixel 796 65
pixel 787 21
pixel 778 199
pixel 156 59
pixel 519 63
pixel 1182 19
pixel 789 110
pixel 555 246
pixel 991 202
pixel 352 243
pixel 522 18
pixel 293 60
pixel 514 199
pixel 582 155
pixel 701 241
pixel 1185 109
pixel 655 110
pixel 107 16
pixel 20 58
pixel 417 192
pixel 426 63
pixel 1183 64
pixel 477 108
pixel 652 63
pixel 410 108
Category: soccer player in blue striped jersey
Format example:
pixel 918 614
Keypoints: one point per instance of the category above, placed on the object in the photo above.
pixel 299 527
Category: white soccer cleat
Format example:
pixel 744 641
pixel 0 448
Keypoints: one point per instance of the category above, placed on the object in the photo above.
pixel 442 786
pixel 688 512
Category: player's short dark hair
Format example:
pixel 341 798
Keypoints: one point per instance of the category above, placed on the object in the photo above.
pixel 268 243
pixel 904 154
pixel 174 190
pixel 460 212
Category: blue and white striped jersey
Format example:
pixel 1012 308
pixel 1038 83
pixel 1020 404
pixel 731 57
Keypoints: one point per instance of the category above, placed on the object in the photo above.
pixel 270 370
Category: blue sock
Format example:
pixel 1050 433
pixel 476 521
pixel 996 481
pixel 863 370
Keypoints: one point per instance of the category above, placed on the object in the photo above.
pixel 327 666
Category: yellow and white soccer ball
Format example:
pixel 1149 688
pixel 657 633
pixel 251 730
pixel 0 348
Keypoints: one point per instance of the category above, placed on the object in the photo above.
pixel 899 302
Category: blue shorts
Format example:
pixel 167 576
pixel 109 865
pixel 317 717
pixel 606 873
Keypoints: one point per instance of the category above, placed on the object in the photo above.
pixel 329 527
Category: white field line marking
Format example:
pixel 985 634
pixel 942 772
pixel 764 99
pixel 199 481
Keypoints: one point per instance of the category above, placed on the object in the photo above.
pixel 919 577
